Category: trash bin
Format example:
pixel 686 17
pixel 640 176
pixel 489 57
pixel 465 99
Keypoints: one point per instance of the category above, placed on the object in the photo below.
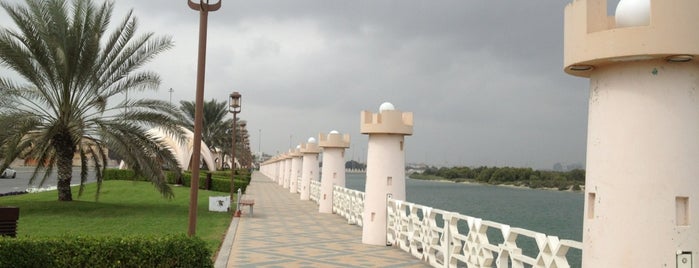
pixel 8 221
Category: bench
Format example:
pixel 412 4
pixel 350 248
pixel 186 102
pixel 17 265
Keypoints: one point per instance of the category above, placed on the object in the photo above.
pixel 247 201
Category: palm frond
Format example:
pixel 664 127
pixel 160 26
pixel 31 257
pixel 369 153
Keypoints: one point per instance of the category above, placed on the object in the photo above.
pixel 73 68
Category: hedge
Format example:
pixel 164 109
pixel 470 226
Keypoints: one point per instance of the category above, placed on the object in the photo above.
pixel 79 251
pixel 220 180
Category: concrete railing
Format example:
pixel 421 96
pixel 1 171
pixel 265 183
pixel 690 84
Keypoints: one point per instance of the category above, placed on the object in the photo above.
pixel 315 191
pixel 448 239
pixel 348 204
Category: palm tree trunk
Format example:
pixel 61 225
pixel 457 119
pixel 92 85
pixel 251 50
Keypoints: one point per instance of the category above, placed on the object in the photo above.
pixel 65 152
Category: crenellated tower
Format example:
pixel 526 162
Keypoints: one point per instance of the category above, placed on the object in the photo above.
pixel 642 181
pixel 333 171
pixel 385 172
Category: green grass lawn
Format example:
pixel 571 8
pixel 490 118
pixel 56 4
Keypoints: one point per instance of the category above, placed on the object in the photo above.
pixel 124 208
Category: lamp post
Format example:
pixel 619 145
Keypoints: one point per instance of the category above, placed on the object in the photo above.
pixel 259 147
pixel 203 7
pixel 234 108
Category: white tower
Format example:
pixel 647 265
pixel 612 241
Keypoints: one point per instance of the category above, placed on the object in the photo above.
pixel 287 165
pixel 385 171
pixel 296 159
pixel 310 168
pixel 642 182
pixel 282 169
pixel 333 145
pixel 277 170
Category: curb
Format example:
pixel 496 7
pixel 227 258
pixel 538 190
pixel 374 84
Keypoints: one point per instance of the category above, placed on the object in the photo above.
pixel 225 252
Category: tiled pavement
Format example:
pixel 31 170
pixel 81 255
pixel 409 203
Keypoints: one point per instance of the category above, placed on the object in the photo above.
pixel 288 232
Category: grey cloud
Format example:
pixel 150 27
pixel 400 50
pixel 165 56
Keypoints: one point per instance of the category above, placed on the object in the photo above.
pixel 483 77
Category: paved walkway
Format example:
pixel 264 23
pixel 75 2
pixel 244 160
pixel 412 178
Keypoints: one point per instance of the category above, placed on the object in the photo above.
pixel 288 232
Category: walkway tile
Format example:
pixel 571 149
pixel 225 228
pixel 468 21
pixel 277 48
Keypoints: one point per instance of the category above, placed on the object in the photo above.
pixel 288 232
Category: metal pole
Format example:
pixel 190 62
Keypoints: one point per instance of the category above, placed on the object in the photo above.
pixel 171 90
pixel 203 8
pixel 259 145
pixel 233 156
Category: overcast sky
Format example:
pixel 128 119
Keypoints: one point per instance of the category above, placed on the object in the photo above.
pixel 483 78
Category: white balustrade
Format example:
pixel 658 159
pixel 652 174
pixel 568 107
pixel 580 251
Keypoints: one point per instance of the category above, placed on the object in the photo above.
pixel 449 239
pixel 298 184
pixel 315 191
pixel 348 204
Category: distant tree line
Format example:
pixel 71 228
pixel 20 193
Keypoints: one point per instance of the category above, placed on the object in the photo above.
pixel 354 165
pixel 562 180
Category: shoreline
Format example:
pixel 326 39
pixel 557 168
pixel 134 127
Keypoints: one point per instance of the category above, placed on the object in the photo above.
pixel 570 189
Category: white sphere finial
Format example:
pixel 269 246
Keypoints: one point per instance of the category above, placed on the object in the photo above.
pixel 386 106
pixel 298 146
pixel 334 132
pixel 632 13
pixel 311 140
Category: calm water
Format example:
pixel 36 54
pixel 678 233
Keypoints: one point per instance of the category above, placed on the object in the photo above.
pixel 549 212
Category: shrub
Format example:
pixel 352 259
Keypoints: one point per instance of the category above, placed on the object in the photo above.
pixel 78 251
pixel 220 180
pixel 120 174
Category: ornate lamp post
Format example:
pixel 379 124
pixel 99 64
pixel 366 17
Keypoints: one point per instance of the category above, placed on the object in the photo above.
pixel 234 108
pixel 203 7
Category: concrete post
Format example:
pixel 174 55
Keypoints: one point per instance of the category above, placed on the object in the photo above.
pixel 282 170
pixel 385 172
pixel 333 170
pixel 310 168
pixel 276 170
pixel 642 182
pixel 296 159
pixel 287 166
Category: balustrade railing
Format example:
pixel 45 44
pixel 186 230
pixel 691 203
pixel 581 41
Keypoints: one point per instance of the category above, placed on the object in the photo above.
pixel 298 185
pixel 448 239
pixel 315 191
pixel 348 204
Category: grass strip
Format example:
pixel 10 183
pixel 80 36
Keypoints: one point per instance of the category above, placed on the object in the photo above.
pixel 124 208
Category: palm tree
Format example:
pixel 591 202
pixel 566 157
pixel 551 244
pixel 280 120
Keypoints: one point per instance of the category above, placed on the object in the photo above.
pixel 215 128
pixel 67 107
pixel 242 152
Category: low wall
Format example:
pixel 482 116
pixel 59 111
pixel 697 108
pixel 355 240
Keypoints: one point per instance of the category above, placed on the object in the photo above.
pixel 315 191
pixel 348 204
pixel 449 239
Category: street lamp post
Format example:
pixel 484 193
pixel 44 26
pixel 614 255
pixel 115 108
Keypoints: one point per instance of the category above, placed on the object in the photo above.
pixel 203 7
pixel 234 108
pixel 259 148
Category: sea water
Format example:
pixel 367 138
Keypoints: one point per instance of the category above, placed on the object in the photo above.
pixel 550 212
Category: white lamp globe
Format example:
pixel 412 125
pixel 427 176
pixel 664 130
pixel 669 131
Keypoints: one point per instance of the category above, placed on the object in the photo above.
pixel 334 132
pixel 386 106
pixel 311 140
pixel 631 13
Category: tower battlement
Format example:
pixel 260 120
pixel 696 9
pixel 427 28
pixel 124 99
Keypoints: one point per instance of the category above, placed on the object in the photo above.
pixel 387 122
pixel 592 39
pixel 309 148
pixel 335 140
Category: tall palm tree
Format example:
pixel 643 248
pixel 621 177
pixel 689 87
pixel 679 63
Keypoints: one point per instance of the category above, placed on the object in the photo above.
pixel 242 152
pixel 215 126
pixel 67 107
